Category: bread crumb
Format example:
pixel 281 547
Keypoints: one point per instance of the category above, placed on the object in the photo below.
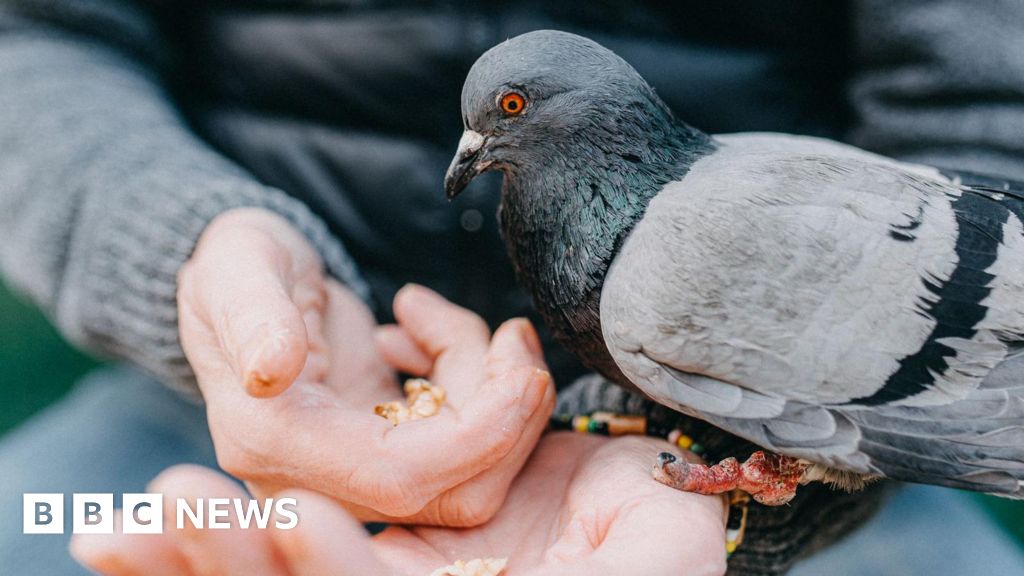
pixel 422 400
pixel 475 567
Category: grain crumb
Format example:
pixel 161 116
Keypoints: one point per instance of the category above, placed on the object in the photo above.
pixel 422 400
pixel 475 567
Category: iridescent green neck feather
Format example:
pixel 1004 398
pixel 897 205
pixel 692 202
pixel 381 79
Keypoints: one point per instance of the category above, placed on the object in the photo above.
pixel 564 219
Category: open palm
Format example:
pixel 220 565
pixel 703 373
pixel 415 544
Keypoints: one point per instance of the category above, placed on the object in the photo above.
pixel 286 361
pixel 582 505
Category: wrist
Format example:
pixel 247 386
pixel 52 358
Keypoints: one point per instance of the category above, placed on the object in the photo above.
pixel 275 229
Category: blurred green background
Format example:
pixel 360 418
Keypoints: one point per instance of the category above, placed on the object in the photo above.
pixel 38 367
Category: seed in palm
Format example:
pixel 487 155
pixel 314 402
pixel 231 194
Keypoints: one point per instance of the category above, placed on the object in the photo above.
pixel 422 400
pixel 475 567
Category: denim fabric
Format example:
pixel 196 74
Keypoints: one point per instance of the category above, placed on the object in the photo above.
pixel 922 531
pixel 114 432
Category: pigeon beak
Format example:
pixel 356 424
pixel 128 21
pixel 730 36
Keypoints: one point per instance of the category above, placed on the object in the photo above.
pixel 464 166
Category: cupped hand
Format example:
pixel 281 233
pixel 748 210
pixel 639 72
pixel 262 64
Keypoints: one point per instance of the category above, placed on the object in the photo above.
pixel 582 505
pixel 287 363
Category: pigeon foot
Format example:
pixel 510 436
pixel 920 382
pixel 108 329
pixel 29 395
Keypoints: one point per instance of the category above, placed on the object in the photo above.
pixel 769 478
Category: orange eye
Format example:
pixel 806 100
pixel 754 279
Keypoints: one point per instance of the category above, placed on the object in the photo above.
pixel 513 103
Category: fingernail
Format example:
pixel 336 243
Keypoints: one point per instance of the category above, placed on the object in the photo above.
pixel 530 338
pixel 257 383
pixel 544 376
pixel 542 384
pixel 540 381
pixel 255 378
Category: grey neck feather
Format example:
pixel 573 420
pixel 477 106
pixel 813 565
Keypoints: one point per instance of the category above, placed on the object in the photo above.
pixel 564 221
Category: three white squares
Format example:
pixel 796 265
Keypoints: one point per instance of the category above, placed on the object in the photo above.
pixel 92 513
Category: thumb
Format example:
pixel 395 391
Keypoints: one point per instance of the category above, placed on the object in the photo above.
pixel 239 285
pixel 265 333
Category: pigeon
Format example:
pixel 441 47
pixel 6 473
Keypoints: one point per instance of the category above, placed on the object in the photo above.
pixel 856 316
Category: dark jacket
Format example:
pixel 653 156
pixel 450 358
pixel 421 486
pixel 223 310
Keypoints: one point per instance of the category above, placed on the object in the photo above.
pixel 355 110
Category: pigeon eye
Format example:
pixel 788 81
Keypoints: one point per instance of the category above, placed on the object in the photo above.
pixel 512 103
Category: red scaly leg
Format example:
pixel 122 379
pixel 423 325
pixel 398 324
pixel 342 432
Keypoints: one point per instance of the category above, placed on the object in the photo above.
pixel 770 478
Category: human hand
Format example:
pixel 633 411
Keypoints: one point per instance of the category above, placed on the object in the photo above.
pixel 286 361
pixel 582 505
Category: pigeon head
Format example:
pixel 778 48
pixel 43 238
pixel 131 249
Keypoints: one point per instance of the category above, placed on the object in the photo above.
pixel 584 144
pixel 548 96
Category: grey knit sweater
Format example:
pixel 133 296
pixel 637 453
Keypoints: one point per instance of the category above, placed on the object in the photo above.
pixel 104 188
pixel 104 191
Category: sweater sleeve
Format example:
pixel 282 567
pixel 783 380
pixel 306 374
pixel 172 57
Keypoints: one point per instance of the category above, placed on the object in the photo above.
pixel 103 189
pixel 941 83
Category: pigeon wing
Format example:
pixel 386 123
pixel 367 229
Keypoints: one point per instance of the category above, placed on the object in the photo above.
pixel 830 304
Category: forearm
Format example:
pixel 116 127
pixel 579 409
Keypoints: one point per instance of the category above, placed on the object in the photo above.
pixel 776 536
pixel 104 192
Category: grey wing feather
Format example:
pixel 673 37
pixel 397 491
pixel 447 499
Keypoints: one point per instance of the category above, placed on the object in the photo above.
pixel 823 357
pixel 975 443
pixel 706 394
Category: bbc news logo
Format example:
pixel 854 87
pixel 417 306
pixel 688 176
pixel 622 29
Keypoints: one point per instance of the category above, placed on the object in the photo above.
pixel 144 513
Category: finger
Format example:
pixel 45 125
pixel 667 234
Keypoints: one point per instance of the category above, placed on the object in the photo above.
pixel 495 430
pixel 515 350
pixel 121 554
pixel 422 550
pixel 515 345
pixel 397 471
pixel 238 284
pixel 401 351
pixel 478 499
pixel 434 323
pixel 447 450
pixel 325 540
pixel 393 470
pixel 356 369
pixel 517 396
pixel 209 550
pixel 455 338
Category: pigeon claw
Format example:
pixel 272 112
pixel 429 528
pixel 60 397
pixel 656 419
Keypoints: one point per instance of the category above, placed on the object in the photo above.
pixel 666 458
pixel 695 477
pixel 769 478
